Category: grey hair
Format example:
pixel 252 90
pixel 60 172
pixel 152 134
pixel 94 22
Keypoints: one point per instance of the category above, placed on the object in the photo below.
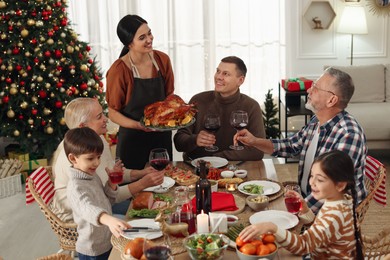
pixel 344 85
pixel 78 111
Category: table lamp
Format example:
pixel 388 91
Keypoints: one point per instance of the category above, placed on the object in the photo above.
pixel 353 21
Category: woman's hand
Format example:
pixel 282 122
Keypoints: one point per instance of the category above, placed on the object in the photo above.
pixel 255 230
pixel 205 139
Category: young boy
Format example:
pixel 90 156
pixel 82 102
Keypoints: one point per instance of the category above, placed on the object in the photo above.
pixel 90 201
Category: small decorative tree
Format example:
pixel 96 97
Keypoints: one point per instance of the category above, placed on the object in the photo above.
pixel 271 122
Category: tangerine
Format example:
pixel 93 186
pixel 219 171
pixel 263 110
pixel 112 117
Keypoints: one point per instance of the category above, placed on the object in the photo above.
pixel 240 242
pixel 248 249
pixel 271 247
pixel 262 250
pixel 268 238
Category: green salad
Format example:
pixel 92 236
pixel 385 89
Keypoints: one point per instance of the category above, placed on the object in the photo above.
pixel 253 189
pixel 206 246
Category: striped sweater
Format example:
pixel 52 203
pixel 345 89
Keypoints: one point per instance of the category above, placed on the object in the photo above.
pixel 331 236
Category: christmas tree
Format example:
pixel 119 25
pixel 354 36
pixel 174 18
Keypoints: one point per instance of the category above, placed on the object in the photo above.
pixel 43 66
pixel 271 122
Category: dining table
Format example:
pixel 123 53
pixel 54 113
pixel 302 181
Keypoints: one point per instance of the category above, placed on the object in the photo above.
pixel 257 170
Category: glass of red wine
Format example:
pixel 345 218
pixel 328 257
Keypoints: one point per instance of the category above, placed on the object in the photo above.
pixel 293 201
pixel 212 123
pixel 159 158
pixel 238 120
pixel 157 251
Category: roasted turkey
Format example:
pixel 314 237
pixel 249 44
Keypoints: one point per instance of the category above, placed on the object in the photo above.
pixel 171 112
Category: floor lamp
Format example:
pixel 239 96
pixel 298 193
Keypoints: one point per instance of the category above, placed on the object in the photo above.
pixel 353 21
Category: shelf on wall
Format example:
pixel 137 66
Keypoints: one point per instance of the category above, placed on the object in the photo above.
pixel 324 12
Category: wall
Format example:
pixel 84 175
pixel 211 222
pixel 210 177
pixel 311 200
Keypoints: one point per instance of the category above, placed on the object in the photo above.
pixel 308 50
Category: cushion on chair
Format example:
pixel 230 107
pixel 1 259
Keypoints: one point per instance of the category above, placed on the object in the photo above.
pixel 43 184
pixel 372 169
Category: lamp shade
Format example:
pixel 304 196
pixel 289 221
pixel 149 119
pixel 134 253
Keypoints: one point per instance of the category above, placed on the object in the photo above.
pixel 353 20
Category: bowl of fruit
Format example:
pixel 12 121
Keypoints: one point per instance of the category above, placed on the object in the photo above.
pixel 206 246
pixel 263 248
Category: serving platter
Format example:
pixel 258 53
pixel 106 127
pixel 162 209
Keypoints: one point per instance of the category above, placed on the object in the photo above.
pixel 167 128
pixel 216 162
pixel 269 187
pixel 167 183
pixel 283 219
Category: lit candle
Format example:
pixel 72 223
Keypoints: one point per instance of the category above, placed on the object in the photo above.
pixel 231 186
pixel 202 221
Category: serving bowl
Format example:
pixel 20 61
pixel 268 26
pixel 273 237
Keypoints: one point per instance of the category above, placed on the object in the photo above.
pixel 243 256
pixel 241 173
pixel 257 202
pixel 213 248
pixel 231 220
pixel 227 174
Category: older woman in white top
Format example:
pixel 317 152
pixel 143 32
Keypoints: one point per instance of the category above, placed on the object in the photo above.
pixel 87 112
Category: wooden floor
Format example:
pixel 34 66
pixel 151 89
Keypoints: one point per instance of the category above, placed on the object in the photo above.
pixel 25 234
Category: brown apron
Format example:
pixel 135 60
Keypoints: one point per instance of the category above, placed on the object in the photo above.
pixel 134 145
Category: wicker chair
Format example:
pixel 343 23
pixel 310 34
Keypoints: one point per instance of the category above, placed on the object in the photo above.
pixel 371 187
pixel 65 231
pixel 377 246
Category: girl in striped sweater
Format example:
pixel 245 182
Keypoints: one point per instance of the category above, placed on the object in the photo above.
pixel 334 233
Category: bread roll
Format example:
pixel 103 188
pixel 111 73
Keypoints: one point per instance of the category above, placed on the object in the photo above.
pixel 144 200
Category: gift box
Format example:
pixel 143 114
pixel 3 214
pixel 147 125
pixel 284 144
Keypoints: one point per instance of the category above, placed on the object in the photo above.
pixel 31 165
pixel 296 84
pixel 10 185
pixel 19 156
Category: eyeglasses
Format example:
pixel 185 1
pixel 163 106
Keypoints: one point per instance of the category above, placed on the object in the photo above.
pixel 314 86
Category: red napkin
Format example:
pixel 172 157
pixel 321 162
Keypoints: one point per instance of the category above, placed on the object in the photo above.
pixel 220 201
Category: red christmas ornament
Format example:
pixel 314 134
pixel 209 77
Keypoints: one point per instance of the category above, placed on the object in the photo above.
pixel 34 111
pixel 58 53
pixel 80 56
pixel 10 28
pixel 47 53
pixel 64 22
pixel 36 60
pixel 8 80
pixel 42 94
pixel 22 83
pixel 18 67
pixel 1 60
pixel 29 68
pixel 34 13
pixel 5 99
pixel 88 48
pixel 59 84
pixel 50 33
pixel 96 77
pixel 59 68
pixel 83 86
pixel 20 117
pixel 33 41
pixel 18 12
pixel 90 61
pixel 56 28
pixel 15 51
pixel 58 104
pixel 69 92
pixel 43 123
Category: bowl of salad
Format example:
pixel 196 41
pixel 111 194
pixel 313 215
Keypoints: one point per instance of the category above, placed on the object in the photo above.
pixel 206 246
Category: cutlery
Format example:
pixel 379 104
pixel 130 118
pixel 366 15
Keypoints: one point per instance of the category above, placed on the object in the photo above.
pixel 142 229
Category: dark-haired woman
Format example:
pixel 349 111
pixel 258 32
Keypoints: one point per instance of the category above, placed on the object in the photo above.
pixel 141 76
pixel 334 233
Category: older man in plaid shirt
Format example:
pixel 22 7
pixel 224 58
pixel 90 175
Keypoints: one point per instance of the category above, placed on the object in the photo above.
pixel 331 128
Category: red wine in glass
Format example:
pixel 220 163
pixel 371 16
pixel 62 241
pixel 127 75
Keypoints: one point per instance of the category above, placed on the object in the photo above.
pixel 238 120
pixel 158 253
pixel 212 123
pixel 116 177
pixel 159 164
pixel 293 204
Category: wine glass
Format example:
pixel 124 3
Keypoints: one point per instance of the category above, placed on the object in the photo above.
pixel 292 201
pixel 238 120
pixel 159 159
pixel 212 123
pixel 157 251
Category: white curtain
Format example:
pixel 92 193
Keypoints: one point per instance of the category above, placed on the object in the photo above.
pixel 196 34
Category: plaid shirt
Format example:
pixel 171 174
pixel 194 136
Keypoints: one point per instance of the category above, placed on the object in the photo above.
pixel 343 133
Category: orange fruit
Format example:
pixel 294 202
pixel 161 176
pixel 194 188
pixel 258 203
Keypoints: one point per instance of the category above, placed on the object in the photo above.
pixel 135 247
pixel 240 242
pixel 248 249
pixel 262 250
pixel 271 247
pixel 256 243
pixel 268 238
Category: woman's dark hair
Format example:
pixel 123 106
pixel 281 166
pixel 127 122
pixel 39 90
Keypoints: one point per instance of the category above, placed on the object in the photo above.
pixel 338 166
pixel 240 65
pixel 126 29
pixel 82 140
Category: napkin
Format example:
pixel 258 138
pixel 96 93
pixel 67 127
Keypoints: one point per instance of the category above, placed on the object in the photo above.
pixel 220 201
pixel 43 185
pixel 371 170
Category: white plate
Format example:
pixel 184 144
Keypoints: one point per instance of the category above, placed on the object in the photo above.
pixel 167 183
pixel 269 187
pixel 215 162
pixel 283 219
pixel 143 223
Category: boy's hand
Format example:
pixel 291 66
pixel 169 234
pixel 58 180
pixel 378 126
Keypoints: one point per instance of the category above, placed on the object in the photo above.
pixel 115 225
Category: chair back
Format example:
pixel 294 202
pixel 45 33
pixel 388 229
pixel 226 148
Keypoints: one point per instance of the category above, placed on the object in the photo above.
pixel 372 184
pixel 65 231
pixel 377 246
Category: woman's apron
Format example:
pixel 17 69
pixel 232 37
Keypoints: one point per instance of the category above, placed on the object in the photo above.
pixel 133 145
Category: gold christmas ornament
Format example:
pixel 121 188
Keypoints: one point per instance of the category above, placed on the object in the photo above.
pixel 3 36
pixel 46 111
pixel 72 71
pixel 62 121
pixel 10 68
pixel 30 22
pixel 24 33
pixel 49 130
pixel 2 4
pixel 30 121
pixel 13 91
pixel 11 113
pixel 84 67
pixel 34 99
pixel 47 85
pixel 29 135
pixel 3 67
pixel 39 79
pixel 39 23
pixel 69 49
pixel 16 133
pixel 42 67
pixel 24 105
pixel 50 41
pixel 27 54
